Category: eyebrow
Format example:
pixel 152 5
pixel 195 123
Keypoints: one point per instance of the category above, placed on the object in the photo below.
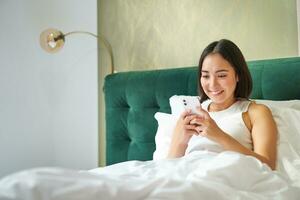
pixel 221 70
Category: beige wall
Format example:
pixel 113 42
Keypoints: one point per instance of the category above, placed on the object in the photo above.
pixel 152 34
pixel 298 23
pixel 170 33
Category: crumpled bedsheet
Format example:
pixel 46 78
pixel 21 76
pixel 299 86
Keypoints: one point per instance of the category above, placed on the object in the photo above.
pixel 198 175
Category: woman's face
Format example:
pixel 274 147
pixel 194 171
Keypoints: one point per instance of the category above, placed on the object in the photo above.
pixel 218 79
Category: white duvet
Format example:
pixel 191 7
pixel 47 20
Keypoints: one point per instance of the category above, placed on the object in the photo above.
pixel 199 175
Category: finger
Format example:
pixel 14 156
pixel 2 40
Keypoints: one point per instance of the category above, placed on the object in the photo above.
pixel 185 113
pixel 193 122
pixel 206 114
pixel 199 108
pixel 200 111
pixel 190 127
pixel 198 129
pixel 203 113
pixel 192 132
pixel 197 121
pixel 189 118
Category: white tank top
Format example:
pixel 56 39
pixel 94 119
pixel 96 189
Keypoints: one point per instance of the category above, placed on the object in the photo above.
pixel 230 121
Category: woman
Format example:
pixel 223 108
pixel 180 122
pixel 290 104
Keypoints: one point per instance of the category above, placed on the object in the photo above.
pixel 227 118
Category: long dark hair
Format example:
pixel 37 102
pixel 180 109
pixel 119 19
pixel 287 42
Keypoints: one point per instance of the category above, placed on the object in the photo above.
pixel 230 52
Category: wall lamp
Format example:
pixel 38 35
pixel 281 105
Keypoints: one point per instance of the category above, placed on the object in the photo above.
pixel 52 40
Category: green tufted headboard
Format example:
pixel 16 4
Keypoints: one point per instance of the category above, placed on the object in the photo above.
pixel 132 99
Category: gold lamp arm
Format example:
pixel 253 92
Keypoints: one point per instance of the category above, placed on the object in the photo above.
pixel 52 40
pixel 103 40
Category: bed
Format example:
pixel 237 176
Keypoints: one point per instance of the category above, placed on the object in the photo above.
pixel 133 101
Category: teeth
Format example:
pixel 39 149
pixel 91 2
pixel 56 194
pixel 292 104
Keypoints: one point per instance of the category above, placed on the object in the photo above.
pixel 216 92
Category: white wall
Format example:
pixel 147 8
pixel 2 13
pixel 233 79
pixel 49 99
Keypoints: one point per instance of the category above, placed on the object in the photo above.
pixel 48 103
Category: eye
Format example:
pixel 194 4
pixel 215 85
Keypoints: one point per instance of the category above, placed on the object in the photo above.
pixel 205 76
pixel 222 75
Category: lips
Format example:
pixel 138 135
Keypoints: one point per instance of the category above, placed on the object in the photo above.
pixel 217 92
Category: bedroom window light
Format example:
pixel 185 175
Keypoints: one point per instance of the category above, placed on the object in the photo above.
pixel 53 40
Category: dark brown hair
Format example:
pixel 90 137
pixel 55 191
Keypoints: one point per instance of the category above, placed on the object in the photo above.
pixel 230 52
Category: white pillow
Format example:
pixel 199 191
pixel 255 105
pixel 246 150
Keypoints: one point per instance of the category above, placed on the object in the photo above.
pixel 177 108
pixel 288 103
pixel 166 125
pixel 286 118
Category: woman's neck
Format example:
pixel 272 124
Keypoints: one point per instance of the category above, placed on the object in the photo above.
pixel 215 107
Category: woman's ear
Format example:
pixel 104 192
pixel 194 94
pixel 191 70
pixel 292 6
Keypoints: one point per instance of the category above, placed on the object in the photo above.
pixel 237 78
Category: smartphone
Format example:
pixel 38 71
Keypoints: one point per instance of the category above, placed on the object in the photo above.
pixel 192 104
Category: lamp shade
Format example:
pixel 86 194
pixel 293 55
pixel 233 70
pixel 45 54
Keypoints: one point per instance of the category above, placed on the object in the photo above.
pixel 52 40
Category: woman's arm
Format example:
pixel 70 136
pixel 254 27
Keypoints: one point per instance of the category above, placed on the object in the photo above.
pixel 263 132
pixel 181 135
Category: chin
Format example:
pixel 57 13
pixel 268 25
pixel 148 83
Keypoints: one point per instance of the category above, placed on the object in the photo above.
pixel 217 99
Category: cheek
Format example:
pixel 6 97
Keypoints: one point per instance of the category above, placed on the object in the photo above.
pixel 203 83
pixel 229 83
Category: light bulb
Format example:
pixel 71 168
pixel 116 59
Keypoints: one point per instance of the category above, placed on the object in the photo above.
pixel 52 40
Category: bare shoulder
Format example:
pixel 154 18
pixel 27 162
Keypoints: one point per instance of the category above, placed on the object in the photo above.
pixel 257 110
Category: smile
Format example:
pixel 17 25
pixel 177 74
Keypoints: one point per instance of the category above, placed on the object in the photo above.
pixel 216 92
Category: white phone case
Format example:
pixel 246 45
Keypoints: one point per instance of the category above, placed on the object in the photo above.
pixel 191 104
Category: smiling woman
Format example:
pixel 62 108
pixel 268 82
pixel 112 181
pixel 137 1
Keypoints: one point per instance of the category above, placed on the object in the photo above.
pixel 224 56
pixel 225 85
pixel 218 81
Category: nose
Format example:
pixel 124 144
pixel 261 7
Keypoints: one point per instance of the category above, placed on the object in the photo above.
pixel 213 82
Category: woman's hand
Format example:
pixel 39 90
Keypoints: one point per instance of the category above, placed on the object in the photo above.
pixel 206 126
pixel 263 132
pixel 182 134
